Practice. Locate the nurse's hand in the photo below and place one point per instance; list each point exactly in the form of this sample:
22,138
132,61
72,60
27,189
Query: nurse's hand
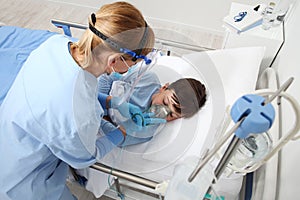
154,121
146,119
129,127
141,131
133,112
126,109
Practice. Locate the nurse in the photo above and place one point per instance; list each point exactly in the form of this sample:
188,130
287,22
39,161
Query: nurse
50,114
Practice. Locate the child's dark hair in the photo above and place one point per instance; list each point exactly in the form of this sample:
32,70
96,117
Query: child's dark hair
189,95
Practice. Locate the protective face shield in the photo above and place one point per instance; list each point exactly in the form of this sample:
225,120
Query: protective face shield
124,88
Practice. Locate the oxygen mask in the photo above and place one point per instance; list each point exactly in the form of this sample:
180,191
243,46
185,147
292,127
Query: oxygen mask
159,111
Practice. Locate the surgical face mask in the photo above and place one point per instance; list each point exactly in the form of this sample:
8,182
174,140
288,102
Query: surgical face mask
117,75
159,111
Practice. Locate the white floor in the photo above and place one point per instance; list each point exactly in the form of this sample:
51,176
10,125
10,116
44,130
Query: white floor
37,14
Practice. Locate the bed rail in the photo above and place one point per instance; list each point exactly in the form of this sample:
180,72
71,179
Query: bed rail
66,26
125,175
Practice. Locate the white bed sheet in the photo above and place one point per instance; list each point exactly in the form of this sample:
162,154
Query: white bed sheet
227,74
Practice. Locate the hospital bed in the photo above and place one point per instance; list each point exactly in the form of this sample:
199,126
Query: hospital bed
191,137
143,171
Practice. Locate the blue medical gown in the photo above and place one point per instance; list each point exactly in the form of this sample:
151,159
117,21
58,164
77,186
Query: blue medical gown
148,84
15,46
49,119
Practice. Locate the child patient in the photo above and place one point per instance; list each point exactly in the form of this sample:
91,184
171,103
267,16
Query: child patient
180,99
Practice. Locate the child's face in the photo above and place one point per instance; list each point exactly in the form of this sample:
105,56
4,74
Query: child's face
164,97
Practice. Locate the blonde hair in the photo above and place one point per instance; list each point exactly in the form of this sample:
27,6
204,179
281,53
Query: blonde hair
122,23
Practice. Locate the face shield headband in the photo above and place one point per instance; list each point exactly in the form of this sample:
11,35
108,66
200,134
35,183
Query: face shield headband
134,55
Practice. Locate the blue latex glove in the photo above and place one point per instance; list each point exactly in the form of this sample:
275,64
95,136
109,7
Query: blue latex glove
133,112
145,119
154,121
131,127
138,131
126,109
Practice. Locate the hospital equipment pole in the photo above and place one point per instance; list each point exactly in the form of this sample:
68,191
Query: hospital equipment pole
233,146
282,88
214,151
